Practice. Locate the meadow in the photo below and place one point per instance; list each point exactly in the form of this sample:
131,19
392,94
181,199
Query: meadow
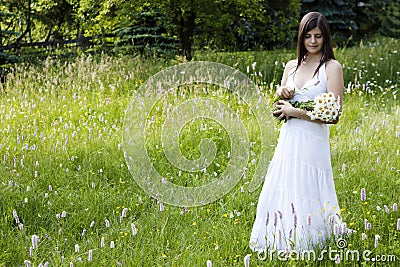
68,198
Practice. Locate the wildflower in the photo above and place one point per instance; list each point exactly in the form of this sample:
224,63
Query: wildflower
246,260
343,167
331,219
398,224
377,238
76,248
92,224
31,251
308,219
63,214
124,211
267,219
209,263
90,254
294,220
134,230
35,240
280,214
15,215
364,236
112,244
337,259
363,194
275,218
336,229
107,223
344,227
102,242
378,208
161,207
386,209
28,263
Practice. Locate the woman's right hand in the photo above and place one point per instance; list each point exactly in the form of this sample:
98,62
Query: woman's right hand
285,92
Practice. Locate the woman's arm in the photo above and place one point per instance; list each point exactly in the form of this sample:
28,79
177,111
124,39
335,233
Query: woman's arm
334,75
284,91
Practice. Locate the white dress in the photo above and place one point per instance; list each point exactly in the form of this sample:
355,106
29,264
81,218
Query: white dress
298,207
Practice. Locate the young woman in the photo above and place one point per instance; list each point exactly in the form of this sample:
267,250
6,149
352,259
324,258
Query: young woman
298,207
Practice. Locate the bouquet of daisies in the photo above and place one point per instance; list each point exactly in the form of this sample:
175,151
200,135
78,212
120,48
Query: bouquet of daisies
324,107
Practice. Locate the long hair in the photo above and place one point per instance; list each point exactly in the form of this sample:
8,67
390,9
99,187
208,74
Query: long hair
310,21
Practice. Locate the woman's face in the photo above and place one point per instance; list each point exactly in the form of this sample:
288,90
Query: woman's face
313,41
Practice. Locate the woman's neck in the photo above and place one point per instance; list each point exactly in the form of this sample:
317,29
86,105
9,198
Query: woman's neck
312,58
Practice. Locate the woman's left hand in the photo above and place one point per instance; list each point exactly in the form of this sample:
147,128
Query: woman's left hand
285,109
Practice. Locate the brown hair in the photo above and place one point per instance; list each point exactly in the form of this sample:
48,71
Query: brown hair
310,21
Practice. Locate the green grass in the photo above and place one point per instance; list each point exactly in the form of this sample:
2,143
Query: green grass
61,128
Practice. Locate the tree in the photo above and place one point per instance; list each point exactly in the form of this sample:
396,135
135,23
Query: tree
339,14
378,17
147,33
55,15
186,15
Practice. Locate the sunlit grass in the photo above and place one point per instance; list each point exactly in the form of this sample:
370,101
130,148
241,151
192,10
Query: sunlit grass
64,174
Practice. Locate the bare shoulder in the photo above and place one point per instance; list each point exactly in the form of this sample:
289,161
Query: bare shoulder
333,66
291,64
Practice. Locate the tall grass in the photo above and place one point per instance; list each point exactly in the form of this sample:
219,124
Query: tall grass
65,180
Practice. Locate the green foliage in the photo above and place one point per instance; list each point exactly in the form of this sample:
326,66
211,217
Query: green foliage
340,15
357,19
271,24
280,23
391,20
147,34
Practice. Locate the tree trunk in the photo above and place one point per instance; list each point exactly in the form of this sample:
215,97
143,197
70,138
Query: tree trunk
186,25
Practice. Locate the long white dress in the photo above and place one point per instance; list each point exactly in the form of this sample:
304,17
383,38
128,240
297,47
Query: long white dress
298,206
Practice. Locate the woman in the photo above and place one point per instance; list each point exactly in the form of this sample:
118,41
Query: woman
298,208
